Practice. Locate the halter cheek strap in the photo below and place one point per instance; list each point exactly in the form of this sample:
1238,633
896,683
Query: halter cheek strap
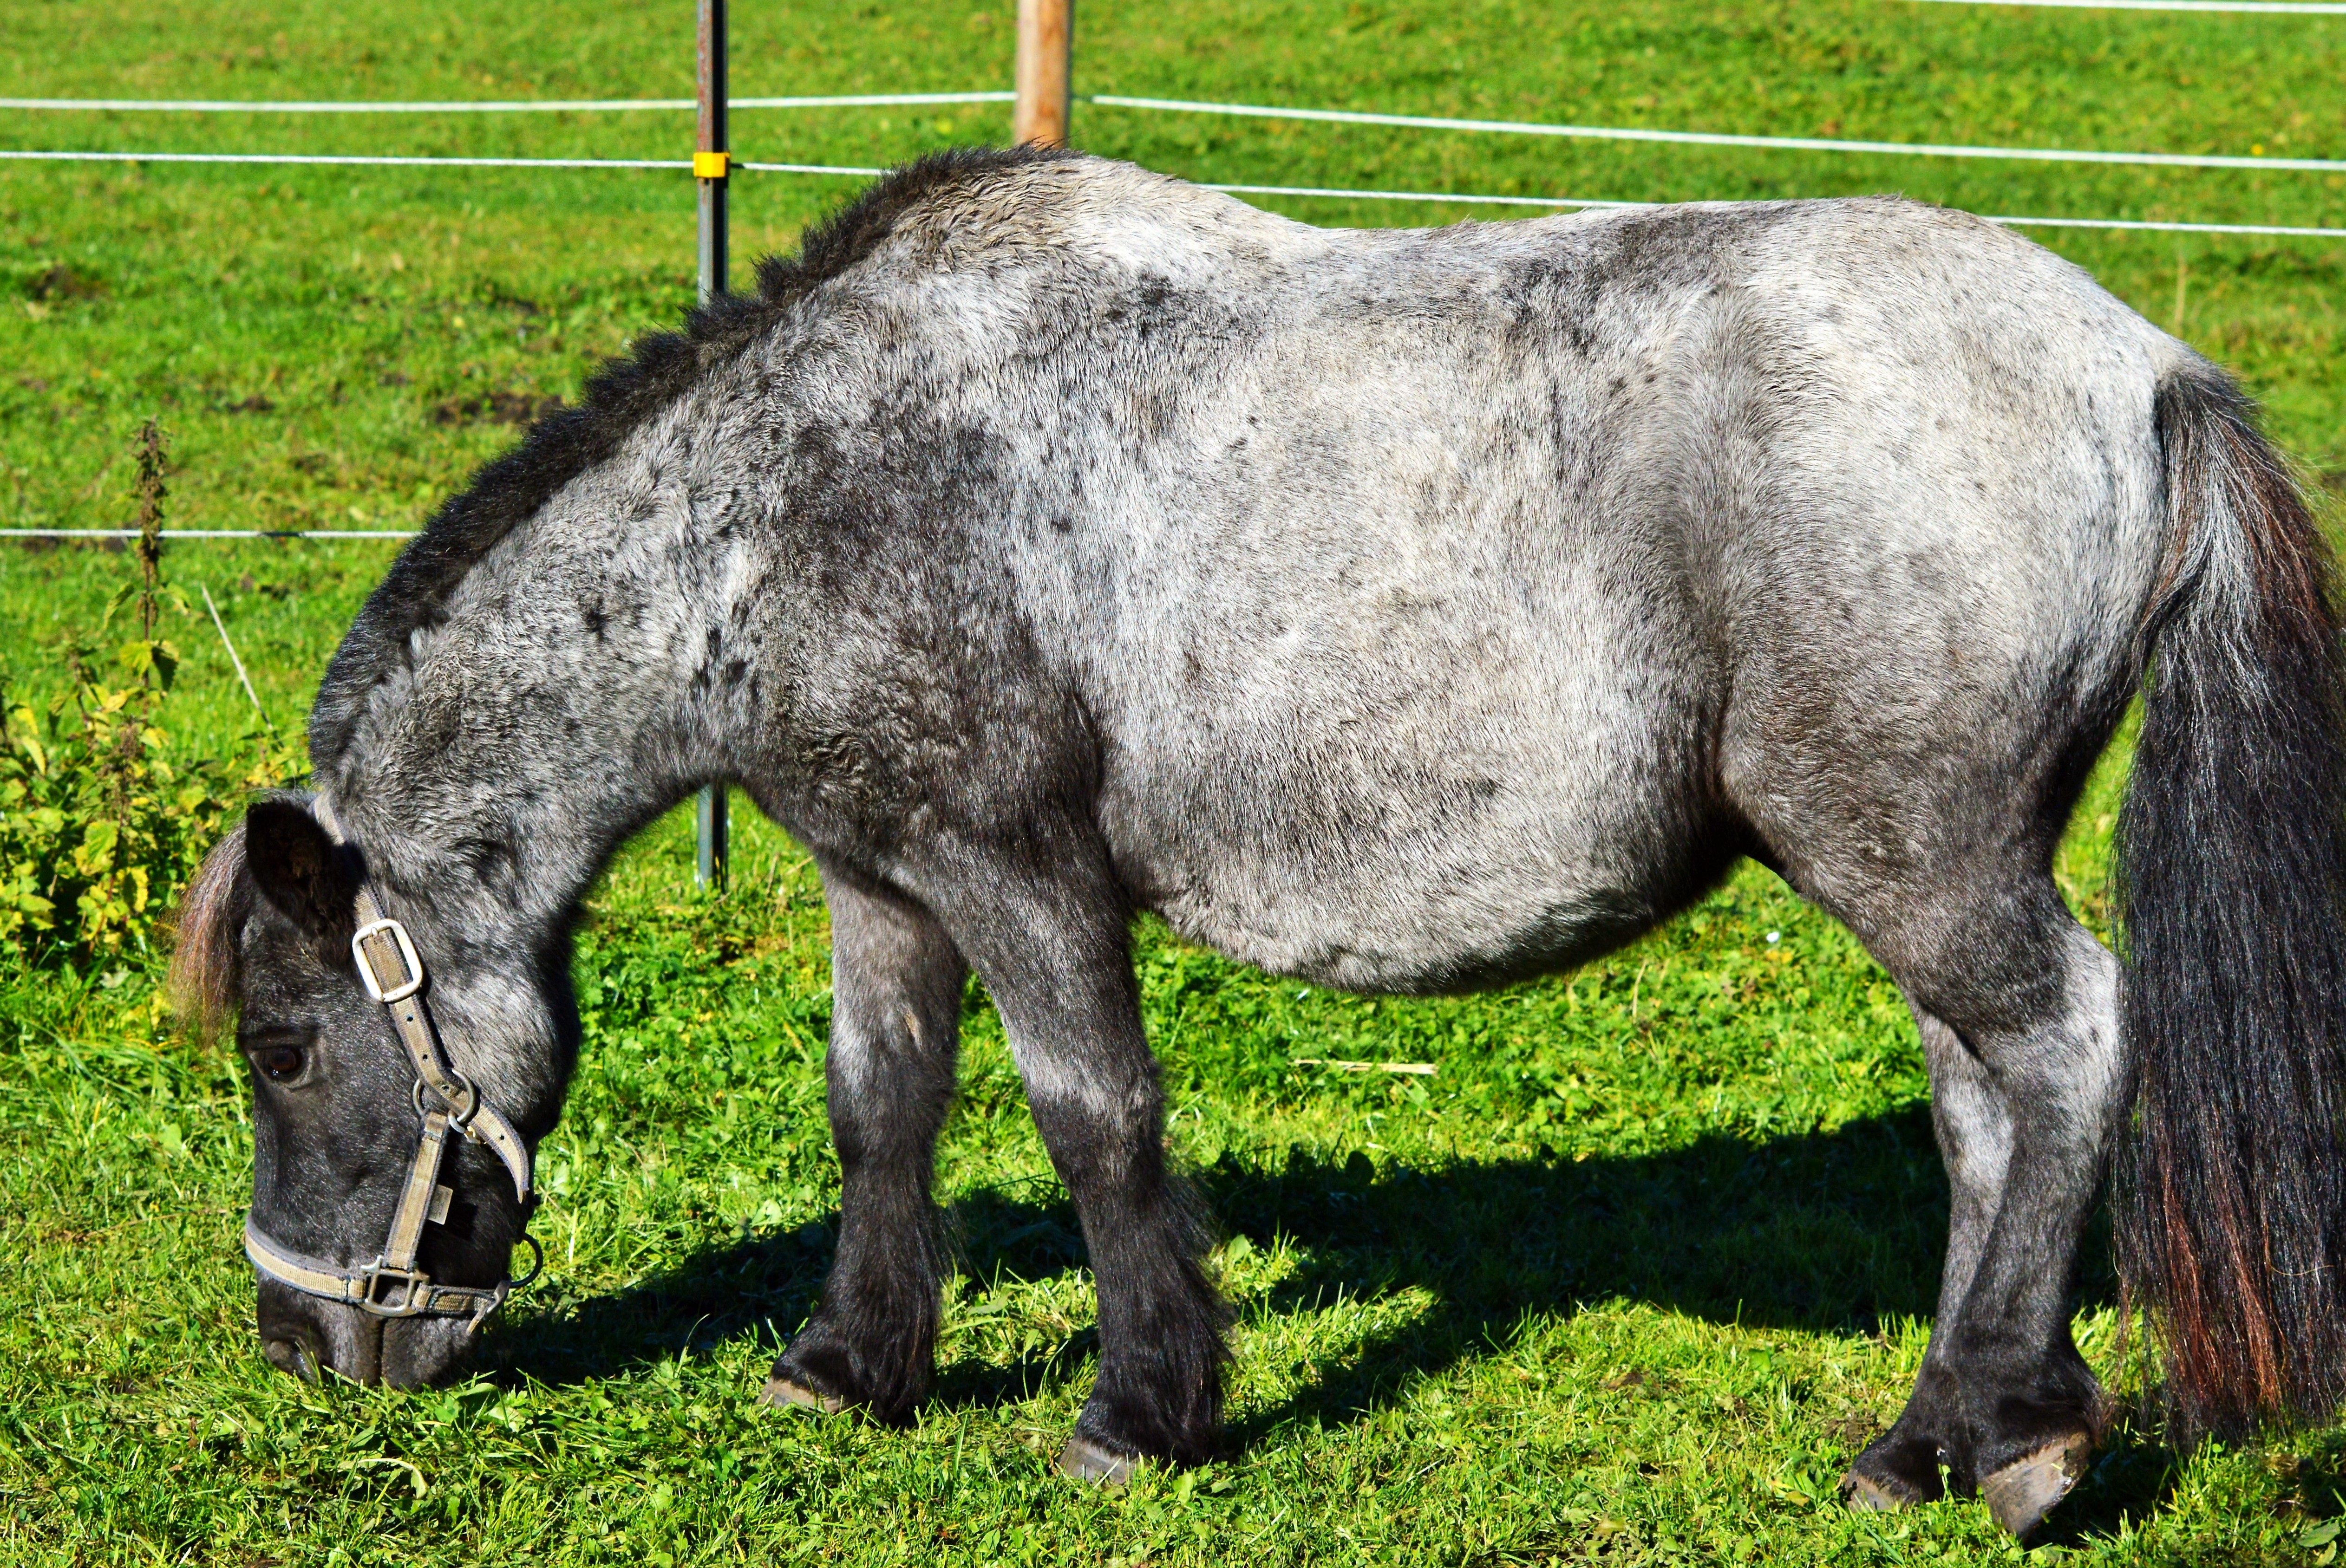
379,943
392,1285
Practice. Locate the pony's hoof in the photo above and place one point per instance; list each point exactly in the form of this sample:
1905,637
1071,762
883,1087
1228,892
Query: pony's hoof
1084,1459
2023,1492
783,1394
1869,1494
1893,1473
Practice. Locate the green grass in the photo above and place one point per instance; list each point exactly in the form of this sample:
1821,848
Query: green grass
1628,1280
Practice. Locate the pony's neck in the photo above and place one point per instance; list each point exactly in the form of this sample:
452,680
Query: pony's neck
569,692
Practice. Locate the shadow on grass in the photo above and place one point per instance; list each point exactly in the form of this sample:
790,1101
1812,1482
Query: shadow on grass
1834,1231
759,1283
1829,1232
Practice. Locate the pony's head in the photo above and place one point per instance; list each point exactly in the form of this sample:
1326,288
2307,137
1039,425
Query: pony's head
265,947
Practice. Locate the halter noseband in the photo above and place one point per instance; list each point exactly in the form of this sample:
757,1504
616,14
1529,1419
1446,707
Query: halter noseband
392,1285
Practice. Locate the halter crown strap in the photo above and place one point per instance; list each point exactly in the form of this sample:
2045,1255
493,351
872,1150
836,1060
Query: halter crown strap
393,1286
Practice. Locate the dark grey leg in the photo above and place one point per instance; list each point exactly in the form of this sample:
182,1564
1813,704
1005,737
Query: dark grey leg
1057,962
1975,1135
896,993
2029,1083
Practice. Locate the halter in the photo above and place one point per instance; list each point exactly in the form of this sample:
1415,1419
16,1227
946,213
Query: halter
392,1285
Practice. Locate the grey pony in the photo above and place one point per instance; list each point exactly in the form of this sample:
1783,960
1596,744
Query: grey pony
1403,611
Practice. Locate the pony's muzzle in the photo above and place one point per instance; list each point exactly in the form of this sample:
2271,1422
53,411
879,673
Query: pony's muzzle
309,1337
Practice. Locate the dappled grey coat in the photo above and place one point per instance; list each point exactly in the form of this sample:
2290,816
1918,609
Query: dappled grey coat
1402,610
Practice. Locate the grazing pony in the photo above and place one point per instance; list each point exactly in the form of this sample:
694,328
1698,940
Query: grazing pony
1403,611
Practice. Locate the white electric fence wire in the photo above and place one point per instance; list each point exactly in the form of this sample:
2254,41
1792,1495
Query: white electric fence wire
1720,139
501,107
337,160
1261,111
855,171
208,534
1330,192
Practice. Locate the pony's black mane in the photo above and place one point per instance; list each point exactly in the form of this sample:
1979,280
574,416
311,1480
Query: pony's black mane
620,396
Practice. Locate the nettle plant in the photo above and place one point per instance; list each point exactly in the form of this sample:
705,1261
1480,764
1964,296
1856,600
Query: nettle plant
102,821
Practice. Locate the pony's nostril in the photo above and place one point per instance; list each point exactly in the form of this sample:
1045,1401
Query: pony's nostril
292,1356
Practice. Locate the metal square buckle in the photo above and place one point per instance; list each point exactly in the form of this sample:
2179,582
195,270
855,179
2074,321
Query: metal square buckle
367,976
414,1288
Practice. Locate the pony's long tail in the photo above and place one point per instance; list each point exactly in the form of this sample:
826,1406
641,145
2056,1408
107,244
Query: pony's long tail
2231,1194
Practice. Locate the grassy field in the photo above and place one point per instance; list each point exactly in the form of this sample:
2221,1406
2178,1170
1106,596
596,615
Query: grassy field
1628,1279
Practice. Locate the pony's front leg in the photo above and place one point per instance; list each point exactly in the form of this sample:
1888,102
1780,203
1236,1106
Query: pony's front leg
1058,963
896,992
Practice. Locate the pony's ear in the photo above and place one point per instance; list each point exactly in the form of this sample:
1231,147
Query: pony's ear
205,973
301,872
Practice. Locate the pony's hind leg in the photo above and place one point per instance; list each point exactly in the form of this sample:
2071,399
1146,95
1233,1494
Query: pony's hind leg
896,993
1974,1137
1908,736
2018,1009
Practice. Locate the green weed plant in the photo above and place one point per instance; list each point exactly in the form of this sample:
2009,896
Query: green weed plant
102,820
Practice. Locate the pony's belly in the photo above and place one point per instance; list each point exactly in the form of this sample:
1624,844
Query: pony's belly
1467,845
1479,777
1473,915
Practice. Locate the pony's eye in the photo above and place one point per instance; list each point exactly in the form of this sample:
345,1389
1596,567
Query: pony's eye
279,1064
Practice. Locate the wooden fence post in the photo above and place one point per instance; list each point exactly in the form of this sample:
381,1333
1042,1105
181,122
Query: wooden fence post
1046,29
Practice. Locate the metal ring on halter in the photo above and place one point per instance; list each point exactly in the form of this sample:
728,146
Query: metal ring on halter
456,1119
536,1268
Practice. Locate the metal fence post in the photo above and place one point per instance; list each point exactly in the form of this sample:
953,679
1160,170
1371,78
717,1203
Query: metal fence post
1046,28
709,161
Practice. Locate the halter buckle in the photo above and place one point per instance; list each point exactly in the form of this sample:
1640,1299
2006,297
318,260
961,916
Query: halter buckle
414,1286
387,995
